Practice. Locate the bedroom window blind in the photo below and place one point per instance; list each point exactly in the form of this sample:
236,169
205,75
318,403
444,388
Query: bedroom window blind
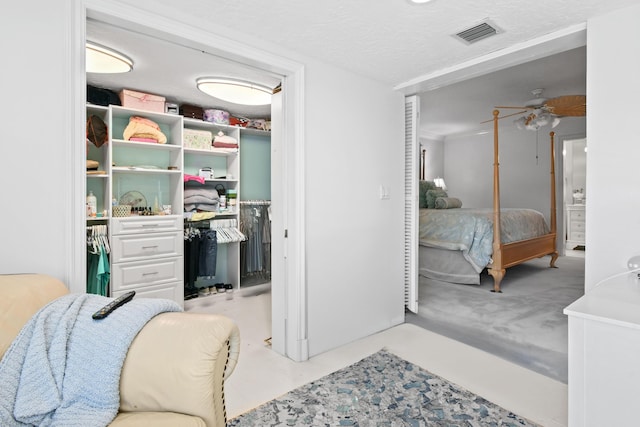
411,183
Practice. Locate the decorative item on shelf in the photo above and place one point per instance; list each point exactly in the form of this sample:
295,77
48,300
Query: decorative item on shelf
238,121
206,173
142,101
134,198
196,138
171,108
122,210
224,141
192,111
232,199
260,124
92,205
97,131
92,165
219,117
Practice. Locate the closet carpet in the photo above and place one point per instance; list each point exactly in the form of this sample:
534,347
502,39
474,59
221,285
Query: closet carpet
524,324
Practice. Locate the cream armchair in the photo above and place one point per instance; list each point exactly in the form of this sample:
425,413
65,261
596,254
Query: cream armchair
174,371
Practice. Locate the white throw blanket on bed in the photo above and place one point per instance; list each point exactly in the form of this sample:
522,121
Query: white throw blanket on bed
63,369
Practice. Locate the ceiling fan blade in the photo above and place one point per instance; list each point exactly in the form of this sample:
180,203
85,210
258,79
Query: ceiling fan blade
569,105
519,108
504,117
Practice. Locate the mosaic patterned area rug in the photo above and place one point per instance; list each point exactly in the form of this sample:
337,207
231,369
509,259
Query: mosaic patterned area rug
381,390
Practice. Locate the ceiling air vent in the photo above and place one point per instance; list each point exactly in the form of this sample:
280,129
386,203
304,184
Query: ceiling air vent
478,32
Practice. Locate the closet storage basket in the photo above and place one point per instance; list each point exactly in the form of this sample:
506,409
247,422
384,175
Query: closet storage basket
122,210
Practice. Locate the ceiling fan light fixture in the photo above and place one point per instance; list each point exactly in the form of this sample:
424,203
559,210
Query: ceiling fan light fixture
102,59
235,91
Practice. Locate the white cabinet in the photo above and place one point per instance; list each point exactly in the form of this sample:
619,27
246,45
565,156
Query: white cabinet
604,343
147,246
575,226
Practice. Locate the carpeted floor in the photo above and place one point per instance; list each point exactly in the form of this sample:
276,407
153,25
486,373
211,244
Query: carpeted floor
380,390
524,324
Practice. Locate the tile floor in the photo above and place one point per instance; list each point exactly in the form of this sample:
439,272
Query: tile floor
262,375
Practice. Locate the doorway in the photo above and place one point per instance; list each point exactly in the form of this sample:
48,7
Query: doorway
287,302
574,165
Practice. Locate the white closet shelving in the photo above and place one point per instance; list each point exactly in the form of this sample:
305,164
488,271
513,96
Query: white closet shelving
225,163
147,251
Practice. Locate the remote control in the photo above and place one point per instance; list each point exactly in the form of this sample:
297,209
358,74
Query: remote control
107,309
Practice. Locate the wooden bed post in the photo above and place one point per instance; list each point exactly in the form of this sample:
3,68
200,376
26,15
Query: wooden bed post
496,270
554,227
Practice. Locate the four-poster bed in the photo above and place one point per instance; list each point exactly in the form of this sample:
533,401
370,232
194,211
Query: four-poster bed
456,245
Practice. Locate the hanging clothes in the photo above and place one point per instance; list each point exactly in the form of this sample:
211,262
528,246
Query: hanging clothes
191,261
208,253
255,252
98,267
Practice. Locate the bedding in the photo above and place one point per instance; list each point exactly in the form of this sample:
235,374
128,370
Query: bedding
470,230
448,203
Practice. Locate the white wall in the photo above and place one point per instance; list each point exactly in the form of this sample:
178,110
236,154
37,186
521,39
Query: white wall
434,157
524,166
34,149
354,240
613,219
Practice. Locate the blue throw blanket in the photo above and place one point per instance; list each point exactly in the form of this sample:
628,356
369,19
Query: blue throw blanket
63,369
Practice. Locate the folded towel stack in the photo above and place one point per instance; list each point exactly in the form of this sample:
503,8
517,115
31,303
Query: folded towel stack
224,141
201,199
143,130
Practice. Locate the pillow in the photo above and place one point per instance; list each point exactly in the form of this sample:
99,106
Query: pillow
447,203
432,195
424,187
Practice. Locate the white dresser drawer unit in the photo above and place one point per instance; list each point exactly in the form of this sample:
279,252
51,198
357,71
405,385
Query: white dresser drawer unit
149,246
577,215
146,224
135,275
576,225
173,291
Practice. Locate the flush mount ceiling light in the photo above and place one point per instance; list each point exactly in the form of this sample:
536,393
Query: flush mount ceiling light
235,91
101,59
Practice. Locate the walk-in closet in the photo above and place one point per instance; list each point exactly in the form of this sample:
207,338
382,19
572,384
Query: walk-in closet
169,214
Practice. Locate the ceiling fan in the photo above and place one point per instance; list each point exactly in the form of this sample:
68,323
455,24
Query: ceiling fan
541,111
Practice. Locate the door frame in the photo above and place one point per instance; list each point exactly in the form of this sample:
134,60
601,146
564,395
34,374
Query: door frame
289,329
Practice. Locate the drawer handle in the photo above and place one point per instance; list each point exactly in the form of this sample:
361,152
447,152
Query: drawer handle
150,247
150,274
150,225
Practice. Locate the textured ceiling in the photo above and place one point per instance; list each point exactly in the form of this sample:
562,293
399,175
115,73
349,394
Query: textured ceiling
391,41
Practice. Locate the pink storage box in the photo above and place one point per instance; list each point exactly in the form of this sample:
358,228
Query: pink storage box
142,101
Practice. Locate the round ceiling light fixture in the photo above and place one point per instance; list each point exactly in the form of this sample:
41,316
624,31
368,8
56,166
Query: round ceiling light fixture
235,91
101,59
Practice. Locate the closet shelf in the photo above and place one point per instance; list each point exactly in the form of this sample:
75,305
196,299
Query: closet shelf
146,145
134,169
213,151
